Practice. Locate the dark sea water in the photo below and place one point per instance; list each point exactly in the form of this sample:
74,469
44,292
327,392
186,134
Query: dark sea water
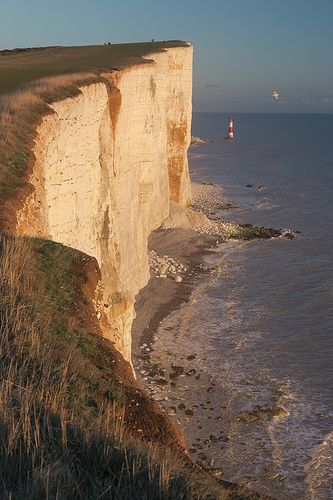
270,340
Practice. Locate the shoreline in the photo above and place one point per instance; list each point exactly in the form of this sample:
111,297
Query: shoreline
186,246
185,391
161,296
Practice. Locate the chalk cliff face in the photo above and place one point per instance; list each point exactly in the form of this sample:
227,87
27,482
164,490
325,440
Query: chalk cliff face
108,162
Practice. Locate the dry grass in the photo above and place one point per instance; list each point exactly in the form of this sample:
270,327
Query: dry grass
58,440
20,113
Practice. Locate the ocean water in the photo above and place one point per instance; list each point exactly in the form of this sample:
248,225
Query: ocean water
260,323
272,307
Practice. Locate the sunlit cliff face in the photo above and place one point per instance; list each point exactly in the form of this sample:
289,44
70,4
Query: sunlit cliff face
108,162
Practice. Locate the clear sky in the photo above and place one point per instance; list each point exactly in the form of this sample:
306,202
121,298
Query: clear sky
244,49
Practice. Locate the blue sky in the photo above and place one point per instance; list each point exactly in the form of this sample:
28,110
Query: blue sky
244,49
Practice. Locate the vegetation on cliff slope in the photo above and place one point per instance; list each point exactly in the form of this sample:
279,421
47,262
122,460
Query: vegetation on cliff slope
67,426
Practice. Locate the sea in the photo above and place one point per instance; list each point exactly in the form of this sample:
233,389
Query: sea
256,336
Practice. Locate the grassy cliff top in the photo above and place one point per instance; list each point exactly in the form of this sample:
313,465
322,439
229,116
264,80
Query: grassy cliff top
20,66
32,78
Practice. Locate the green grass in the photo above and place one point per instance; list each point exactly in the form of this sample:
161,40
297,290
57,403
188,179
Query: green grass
63,412
17,69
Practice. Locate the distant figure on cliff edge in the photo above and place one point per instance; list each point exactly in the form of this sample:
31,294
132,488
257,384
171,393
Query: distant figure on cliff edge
230,135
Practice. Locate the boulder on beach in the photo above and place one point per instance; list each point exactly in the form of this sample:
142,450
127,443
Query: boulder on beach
197,140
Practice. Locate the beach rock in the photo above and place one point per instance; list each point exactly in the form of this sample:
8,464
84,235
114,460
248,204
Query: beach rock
216,472
197,140
172,410
178,279
177,370
263,414
192,371
161,381
191,357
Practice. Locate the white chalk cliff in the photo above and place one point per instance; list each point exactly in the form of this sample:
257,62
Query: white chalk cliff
108,163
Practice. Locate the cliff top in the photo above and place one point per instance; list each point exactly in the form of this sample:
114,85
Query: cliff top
20,66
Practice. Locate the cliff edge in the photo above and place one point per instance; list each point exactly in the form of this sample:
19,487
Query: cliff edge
107,163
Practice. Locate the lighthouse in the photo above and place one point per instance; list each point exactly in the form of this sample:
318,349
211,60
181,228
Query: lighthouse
231,129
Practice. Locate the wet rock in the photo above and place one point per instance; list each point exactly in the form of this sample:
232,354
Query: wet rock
192,371
249,185
176,371
145,357
191,357
210,389
248,417
217,472
155,372
161,381
202,456
288,236
212,438
181,406
189,412
192,450
263,414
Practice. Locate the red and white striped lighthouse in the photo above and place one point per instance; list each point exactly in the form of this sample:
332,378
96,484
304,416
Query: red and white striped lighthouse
231,128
